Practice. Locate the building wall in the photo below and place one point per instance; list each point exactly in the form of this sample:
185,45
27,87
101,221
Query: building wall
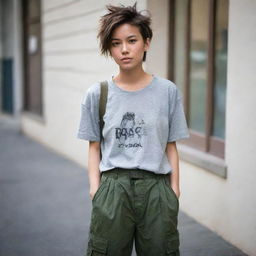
1,50
241,125
157,59
10,51
7,56
7,28
18,58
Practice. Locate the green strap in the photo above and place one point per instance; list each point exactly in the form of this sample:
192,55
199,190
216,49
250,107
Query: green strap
102,104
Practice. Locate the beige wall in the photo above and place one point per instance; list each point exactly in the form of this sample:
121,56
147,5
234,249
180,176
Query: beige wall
157,59
226,206
241,124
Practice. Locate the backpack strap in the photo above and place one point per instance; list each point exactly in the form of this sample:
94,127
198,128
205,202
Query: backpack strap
102,104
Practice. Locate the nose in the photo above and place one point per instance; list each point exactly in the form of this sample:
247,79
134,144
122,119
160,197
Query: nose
124,48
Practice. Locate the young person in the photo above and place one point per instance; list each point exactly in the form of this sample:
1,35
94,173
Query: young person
134,187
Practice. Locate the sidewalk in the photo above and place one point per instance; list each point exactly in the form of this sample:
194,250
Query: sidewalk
45,205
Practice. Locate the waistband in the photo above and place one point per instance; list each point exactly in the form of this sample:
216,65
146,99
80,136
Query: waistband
133,173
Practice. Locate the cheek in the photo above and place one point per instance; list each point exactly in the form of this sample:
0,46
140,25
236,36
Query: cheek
140,50
113,53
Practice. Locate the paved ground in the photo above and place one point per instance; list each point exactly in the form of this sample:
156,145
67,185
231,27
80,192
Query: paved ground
45,205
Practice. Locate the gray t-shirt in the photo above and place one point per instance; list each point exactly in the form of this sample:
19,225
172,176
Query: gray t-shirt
138,124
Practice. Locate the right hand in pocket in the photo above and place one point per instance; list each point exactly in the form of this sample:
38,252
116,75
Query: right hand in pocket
93,190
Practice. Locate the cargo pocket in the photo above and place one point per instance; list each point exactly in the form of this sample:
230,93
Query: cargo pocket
98,246
101,187
173,244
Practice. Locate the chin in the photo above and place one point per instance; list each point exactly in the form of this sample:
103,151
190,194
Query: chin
122,66
129,67
126,68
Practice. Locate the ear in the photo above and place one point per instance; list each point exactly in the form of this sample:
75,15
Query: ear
147,44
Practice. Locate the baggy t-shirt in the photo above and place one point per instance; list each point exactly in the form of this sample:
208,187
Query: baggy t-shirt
138,124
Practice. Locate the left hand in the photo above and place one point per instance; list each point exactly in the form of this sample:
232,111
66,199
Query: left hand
176,191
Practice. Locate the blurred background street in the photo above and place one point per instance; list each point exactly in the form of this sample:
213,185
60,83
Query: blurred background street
45,204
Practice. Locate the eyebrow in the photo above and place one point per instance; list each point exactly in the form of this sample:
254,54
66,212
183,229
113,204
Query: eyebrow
119,39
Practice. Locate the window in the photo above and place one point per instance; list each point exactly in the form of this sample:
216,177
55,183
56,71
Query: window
199,68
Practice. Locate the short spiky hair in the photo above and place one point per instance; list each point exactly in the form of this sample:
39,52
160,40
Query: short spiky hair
119,15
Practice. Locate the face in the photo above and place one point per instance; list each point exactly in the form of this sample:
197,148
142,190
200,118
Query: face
127,46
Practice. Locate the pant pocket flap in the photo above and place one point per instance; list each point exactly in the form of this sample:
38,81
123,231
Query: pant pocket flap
99,244
173,244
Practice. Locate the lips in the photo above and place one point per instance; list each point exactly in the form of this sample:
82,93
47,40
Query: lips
126,59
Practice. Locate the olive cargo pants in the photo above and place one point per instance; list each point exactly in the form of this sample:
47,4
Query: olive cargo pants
134,204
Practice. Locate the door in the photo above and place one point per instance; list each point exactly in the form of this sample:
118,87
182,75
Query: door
32,56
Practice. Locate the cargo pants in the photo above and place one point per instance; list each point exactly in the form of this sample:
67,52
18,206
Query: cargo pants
134,204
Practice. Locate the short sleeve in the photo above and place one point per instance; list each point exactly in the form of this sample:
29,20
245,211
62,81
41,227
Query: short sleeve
177,121
89,128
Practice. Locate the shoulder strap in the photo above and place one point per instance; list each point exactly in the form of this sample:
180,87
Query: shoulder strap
102,104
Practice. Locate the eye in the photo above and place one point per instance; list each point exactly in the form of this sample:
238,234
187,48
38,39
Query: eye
132,41
114,43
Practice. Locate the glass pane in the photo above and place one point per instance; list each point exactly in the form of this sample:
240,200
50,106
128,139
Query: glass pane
221,37
180,40
198,65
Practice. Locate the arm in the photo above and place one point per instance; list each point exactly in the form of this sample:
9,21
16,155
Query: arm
93,167
173,157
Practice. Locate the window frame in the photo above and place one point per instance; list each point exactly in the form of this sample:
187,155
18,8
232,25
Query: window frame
205,143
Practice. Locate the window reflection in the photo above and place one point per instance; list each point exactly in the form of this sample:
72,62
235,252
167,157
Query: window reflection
221,35
198,65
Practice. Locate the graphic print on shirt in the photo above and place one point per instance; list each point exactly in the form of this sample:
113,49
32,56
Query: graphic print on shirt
130,132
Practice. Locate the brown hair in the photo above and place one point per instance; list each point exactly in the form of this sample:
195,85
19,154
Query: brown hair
119,15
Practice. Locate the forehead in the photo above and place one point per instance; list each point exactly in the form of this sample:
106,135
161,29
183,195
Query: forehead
125,30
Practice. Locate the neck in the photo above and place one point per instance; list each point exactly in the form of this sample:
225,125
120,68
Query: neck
131,76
